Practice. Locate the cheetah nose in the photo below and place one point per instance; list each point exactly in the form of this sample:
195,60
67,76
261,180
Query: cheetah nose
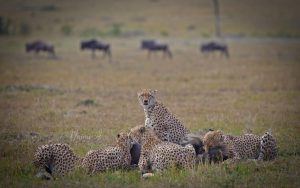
145,102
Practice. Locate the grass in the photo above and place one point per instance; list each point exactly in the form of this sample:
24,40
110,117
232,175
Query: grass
85,103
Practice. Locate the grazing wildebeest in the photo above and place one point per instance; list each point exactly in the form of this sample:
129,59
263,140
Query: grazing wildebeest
153,46
38,46
96,45
211,47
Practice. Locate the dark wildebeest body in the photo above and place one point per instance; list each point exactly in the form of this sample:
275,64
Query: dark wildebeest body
38,46
217,154
152,46
145,44
195,141
135,154
96,45
211,47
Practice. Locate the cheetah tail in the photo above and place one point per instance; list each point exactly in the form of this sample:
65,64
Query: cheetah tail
268,147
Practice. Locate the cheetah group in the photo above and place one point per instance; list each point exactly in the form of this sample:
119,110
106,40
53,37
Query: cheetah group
160,143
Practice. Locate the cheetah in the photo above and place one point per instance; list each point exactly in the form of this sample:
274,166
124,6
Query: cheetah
165,124
157,155
247,146
109,158
55,159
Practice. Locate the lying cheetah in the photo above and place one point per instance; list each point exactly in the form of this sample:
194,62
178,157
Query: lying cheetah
59,159
247,146
55,159
157,155
166,126
109,158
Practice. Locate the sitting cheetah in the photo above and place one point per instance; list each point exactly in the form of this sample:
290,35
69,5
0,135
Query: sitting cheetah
247,146
108,158
56,159
166,126
157,155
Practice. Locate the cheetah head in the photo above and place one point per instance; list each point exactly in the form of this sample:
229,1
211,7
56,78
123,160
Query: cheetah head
213,139
147,97
41,155
123,140
136,134
141,134
215,147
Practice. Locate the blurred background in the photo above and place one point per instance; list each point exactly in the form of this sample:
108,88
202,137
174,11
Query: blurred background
86,101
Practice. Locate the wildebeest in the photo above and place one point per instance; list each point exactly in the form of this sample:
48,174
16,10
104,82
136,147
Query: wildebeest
153,46
217,154
211,47
195,141
38,46
96,45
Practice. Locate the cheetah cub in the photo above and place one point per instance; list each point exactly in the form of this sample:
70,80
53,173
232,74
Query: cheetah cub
109,158
166,126
55,160
247,146
157,155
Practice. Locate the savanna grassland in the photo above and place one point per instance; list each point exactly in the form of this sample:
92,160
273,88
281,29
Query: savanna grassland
85,102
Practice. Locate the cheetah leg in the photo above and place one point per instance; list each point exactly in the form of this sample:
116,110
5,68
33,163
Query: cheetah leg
144,165
236,158
44,175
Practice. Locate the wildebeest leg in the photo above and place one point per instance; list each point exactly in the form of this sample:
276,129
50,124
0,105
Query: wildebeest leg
104,53
149,54
205,54
51,53
93,54
109,55
169,53
226,53
163,53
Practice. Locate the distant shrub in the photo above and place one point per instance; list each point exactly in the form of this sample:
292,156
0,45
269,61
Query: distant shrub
205,35
48,8
25,29
283,34
92,32
87,102
115,30
164,33
66,30
5,26
191,28
133,33
39,27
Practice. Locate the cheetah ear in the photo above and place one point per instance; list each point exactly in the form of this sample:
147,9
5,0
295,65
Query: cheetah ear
222,138
140,92
153,92
142,129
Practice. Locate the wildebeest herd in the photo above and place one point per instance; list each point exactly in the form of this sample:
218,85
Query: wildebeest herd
151,46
